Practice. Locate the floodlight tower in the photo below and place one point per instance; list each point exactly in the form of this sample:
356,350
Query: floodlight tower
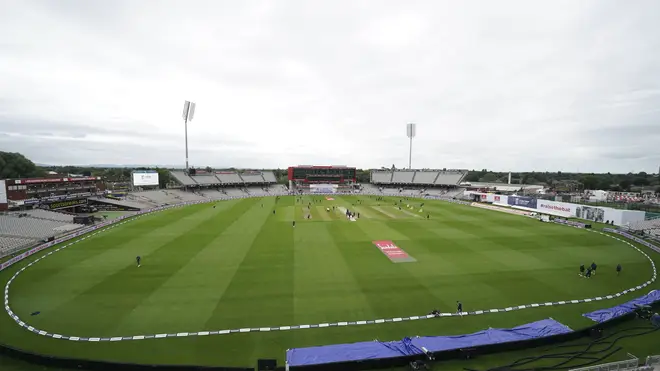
188,113
411,130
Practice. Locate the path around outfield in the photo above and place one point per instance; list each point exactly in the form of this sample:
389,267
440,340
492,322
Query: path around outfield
21,323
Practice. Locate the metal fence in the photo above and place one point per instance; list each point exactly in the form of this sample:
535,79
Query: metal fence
632,363
652,361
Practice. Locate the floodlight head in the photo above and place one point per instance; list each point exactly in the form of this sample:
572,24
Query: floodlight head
411,130
188,111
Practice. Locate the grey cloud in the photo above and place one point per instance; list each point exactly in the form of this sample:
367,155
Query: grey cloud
510,86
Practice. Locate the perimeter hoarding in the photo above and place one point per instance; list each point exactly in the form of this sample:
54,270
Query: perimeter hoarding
323,188
66,204
145,178
522,201
563,209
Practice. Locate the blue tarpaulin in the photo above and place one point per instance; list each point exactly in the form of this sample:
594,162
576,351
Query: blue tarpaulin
603,315
407,346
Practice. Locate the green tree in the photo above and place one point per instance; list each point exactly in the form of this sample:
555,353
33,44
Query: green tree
363,176
640,181
489,178
15,165
472,177
164,177
605,183
625,184
590,182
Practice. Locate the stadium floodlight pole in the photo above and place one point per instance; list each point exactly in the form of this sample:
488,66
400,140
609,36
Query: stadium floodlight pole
411,130
188,113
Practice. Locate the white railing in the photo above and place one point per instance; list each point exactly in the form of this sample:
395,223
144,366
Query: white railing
632,363
652,361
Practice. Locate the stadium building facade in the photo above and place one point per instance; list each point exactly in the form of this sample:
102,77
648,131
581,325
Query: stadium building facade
51,193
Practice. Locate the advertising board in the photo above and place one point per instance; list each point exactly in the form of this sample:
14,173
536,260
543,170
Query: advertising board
597,214
145,178
65,204
522,201
323,188
563,209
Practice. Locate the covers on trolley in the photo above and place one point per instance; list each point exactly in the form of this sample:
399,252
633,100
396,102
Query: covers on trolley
407,346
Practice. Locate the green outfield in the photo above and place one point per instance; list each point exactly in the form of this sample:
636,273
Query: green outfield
241,264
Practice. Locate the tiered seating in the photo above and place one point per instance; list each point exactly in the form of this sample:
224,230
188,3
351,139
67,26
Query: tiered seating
170,196
450,177
229,177
403,177
186,196
628,199
139,198
381,177
234,192
425,177
252,177
256,191
269,177
182,177
13,243
49,215
645,225
212,193
205,179
455,193
159,197
13,226
419,177
123,202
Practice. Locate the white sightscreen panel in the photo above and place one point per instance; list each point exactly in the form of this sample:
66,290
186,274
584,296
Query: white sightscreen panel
3,192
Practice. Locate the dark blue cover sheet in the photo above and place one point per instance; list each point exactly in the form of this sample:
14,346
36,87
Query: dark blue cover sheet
376,349
603,315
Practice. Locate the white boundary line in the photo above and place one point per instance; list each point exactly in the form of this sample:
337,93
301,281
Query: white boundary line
22,323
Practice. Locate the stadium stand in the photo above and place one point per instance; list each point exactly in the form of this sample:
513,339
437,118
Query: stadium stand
183,178
132,203
419,177
450,177
205,179
27,227
252,177
170,196
425,177
49,215
229,177
14,243
403,177
223,178
381,177
269,177
651,226
234,192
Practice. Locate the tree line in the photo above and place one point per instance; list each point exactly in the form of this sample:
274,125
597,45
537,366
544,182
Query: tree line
15,165
573,181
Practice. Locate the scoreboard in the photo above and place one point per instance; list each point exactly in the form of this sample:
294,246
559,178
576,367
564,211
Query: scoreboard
322,174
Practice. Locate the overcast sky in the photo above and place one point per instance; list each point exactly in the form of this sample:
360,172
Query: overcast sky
504,85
